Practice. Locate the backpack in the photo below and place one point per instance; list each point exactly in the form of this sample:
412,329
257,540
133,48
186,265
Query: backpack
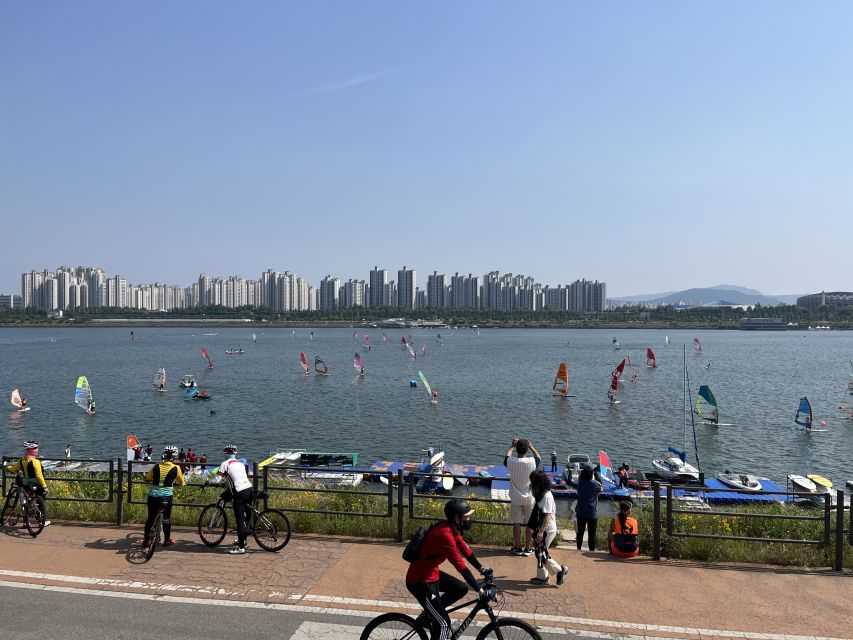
413,548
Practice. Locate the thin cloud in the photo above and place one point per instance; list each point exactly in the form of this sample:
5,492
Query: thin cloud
337,86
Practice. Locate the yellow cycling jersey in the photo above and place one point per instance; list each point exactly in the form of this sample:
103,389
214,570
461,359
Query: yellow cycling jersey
31,468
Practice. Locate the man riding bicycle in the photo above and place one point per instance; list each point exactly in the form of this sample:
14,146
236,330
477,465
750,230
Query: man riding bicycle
443,542
163,477
30,467
240,488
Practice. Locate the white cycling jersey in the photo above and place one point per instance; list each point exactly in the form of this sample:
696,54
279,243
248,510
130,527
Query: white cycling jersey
236,471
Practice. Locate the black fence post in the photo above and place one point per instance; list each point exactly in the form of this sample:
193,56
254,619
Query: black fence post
839,530
399,504
656,523
827,517
669,509
119,492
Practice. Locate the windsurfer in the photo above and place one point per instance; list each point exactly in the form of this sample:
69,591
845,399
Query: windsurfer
361,373
91,406
67,451
23,402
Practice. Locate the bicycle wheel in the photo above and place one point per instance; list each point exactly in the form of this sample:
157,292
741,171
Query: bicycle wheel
393,626
212,525
154,536
9,509
272,530
509,629
34,516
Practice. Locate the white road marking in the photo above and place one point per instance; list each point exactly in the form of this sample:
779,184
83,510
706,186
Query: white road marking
382,604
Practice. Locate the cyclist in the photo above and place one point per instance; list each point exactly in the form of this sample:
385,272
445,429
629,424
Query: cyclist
30,467
240,488
443,542
163,477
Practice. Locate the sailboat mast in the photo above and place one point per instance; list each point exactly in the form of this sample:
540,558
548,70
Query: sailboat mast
687,396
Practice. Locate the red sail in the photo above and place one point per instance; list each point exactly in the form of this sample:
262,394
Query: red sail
650,358
617,372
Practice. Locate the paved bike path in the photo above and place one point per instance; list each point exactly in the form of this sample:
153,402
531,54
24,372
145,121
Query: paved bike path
604,596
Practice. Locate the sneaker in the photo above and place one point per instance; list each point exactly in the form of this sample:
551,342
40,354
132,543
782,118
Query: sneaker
539,581
561,577
237,550
168,542
422,620
527,552
516,551
47,523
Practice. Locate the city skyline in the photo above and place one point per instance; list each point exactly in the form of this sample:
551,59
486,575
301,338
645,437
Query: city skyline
656,146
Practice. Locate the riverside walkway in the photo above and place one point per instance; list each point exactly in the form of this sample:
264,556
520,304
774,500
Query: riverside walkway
342,582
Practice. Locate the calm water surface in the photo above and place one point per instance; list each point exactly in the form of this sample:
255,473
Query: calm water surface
493,386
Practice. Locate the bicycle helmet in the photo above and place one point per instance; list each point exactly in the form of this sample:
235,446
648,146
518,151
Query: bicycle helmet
170,452
29,445
453,508
229,448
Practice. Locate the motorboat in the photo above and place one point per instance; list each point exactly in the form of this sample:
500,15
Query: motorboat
232,352
300,458
670,466
433,463
187,382
573,467
742,481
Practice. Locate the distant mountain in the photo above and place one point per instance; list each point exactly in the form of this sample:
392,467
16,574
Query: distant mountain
789,298
644,297
722,294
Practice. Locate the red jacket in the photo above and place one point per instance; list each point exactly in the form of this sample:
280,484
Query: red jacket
440,544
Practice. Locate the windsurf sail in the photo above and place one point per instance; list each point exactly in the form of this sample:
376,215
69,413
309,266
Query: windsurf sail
384,338
254,338
403,343
628,360
561,380
411,351
303,360
320,366
804,413
357,363
426,384
697,346
650,358
83,393
846,406
367,342
16,399
605,469
132,441
617,372
159,381
614,387
206,356
666,339
712,412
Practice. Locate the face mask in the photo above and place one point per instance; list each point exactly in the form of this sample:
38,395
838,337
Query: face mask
464,524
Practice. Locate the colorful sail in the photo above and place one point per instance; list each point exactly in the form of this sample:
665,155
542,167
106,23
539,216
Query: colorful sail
605,468
83,393
320,366
697,346
561,380
206,356
712,412
804,413
425,383
159,381
367,344
16,399
303,360
620,368
132,441
650,358
357,363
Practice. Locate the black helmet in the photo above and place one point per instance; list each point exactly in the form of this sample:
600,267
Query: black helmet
453,508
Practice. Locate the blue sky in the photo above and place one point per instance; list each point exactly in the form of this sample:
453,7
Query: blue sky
654,146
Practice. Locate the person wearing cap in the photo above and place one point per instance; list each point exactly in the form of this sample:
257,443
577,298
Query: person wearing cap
520,466
433,589
586,507
240,489
30,467
554,461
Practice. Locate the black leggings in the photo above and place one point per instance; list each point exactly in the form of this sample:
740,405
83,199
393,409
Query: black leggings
154,503
241,501
590,524
435,606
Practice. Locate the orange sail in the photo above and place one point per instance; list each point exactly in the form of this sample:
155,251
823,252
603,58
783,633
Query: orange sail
132,441
561,381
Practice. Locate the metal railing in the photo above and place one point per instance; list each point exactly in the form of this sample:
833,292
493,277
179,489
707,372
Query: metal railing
414,478
62,471
825,518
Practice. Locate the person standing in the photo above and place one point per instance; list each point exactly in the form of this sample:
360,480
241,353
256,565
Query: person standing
163,478
520,466
234,473
545,529
553,462
67,451
586,507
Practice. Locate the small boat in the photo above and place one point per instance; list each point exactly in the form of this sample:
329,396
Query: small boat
232,352
433,463
673,465
187,382
194,394
159,382
742,481
573,467
18,401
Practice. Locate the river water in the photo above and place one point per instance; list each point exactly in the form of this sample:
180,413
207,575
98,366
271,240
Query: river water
493,386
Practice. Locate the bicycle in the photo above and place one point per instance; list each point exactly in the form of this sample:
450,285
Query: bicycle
399,626
32,508
156,533
270,527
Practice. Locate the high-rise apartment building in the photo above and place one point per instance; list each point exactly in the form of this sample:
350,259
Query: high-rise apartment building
406,285
353,294
329,292
435,290
587,296
378,282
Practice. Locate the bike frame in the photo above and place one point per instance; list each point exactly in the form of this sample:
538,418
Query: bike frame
480,605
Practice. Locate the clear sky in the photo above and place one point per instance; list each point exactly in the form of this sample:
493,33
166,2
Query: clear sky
652,145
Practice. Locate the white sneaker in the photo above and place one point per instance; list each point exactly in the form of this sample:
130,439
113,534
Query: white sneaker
237,550
47,523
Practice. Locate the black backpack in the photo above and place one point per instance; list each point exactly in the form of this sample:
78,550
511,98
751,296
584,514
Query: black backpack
413,548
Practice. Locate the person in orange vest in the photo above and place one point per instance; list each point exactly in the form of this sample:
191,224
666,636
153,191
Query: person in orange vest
624,533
